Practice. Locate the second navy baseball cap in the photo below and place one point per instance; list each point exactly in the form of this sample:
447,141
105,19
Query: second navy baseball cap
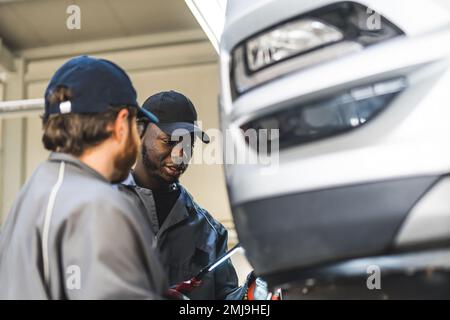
175,111
95,85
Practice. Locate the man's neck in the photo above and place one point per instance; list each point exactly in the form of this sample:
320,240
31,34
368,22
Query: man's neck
95,158
146,180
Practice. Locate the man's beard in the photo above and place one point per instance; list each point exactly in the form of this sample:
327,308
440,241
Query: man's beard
154,170
148,164
124,161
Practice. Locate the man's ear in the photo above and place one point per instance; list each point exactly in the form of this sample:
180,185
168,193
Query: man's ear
120,126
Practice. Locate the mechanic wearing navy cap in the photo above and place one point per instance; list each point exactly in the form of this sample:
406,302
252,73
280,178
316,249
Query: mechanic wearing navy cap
188,237
70,234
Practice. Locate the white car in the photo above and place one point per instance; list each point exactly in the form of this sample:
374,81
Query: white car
359,92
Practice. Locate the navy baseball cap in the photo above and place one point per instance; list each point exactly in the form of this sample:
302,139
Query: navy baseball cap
95,85
174,111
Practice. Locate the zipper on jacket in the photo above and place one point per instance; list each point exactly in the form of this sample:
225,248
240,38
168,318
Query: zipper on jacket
155,242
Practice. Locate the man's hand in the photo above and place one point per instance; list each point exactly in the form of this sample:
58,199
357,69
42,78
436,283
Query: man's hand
257,289
182,289
173,294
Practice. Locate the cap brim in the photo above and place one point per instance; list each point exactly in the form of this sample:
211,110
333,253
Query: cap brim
147,114
171,129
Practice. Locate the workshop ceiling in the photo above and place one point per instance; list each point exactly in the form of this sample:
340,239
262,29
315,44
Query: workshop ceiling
26,24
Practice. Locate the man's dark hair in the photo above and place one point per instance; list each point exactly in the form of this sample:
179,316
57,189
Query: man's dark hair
73,133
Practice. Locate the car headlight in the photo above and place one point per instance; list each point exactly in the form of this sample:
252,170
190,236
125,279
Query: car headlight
305,41
327,117
288,40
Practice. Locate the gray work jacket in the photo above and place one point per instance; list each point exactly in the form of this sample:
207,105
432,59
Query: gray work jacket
188,240
71,235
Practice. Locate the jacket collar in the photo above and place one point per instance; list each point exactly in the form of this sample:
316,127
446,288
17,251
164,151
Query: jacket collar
67,158
179,212
129,181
